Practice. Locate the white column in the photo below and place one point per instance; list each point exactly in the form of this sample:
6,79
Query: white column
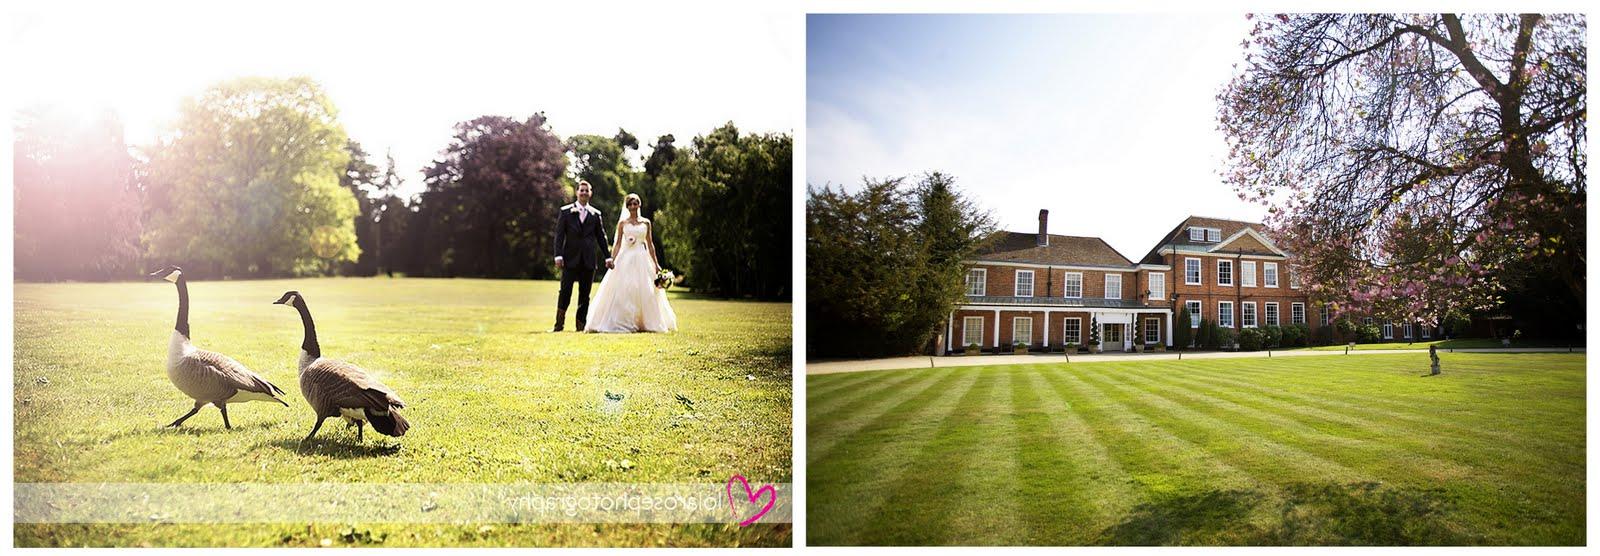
949,329
1169,329
997,329
1047,330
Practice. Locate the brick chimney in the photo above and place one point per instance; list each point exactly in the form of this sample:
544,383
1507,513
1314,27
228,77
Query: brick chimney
1044,227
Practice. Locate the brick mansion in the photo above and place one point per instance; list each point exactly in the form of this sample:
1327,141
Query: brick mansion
1047,290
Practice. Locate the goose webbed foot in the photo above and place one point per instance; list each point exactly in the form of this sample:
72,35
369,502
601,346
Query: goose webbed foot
185,416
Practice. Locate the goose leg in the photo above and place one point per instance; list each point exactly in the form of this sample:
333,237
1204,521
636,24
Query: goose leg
223,407
360,426
314,429
197,406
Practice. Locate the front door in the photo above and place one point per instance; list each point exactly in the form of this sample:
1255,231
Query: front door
1114,337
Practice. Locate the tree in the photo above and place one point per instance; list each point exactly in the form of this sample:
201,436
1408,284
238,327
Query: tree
490,203
723,212
361,178
75,200
1094,331
896,303
1416,164
603,162
1183,335
248,182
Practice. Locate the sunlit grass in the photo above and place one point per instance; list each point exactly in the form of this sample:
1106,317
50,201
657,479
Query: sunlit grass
491,396
1319,450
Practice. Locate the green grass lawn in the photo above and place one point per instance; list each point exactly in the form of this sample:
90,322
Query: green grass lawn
1305,450
1458,343
492,398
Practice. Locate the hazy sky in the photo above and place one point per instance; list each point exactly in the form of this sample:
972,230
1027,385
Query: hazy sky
402,75
1108,121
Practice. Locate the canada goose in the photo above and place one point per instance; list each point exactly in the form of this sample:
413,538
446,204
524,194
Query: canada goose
337,388
207,376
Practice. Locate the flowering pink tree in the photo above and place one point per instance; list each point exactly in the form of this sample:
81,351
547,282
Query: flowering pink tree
1415,164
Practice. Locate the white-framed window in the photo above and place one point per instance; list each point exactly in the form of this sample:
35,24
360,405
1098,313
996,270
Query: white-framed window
1158,285
1407,330
1388,331
1294,279
1191,272
1271,310
1224,273
1248,314
971,331
1022,330
1297,313
1194,313
1024,283
1113,286
977,281
1247,274
1225,314
1427,332
1213,235
1152,331
1367,320
1327,316
1269,275
1072,285
1197,234
1072,330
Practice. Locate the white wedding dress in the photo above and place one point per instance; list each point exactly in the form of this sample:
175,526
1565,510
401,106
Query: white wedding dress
628,300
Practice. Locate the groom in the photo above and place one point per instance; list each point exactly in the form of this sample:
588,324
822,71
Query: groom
579,232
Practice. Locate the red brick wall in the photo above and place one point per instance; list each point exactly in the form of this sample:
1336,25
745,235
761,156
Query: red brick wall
1209,293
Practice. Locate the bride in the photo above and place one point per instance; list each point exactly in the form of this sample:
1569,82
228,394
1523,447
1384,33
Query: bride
628,300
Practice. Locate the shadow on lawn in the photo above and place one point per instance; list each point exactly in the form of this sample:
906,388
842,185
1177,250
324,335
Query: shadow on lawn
342,448
1310,514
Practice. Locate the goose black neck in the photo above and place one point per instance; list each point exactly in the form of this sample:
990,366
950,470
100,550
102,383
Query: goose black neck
310,344
183,307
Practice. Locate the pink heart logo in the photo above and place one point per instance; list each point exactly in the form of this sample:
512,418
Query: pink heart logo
754,496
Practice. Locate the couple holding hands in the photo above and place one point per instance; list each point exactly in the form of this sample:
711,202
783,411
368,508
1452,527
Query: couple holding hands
629,299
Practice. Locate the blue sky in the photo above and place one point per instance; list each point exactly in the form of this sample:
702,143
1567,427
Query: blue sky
1109,121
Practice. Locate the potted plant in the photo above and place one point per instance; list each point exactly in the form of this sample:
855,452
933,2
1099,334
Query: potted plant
973,349
1020,348
1158,346
1138,342
1094,335
1071,348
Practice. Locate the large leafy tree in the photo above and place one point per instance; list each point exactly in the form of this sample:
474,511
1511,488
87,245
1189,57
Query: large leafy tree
361,177
1416,164
724,215
884,264
603,162
490,204
248,182
76,204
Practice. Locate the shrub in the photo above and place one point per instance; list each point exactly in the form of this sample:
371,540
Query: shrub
1183,335
1225,337
1253,339
1368,333
1323,337
1271,336
1296,335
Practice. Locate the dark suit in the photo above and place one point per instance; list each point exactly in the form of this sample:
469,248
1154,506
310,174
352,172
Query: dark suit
579,243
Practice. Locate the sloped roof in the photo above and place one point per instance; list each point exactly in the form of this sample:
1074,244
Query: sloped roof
1179,236
1018,247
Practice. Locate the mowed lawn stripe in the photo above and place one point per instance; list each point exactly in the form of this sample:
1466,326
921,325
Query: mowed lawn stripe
826,385
1070,485
1331,398
854,482
969,465
1349,448
1262,457
868,410
820,405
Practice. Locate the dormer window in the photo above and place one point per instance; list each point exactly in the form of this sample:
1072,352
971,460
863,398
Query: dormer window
1211,235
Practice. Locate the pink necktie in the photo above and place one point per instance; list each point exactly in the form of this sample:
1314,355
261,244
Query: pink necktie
582,213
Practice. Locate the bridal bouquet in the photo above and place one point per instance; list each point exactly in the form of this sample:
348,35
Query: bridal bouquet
664,279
